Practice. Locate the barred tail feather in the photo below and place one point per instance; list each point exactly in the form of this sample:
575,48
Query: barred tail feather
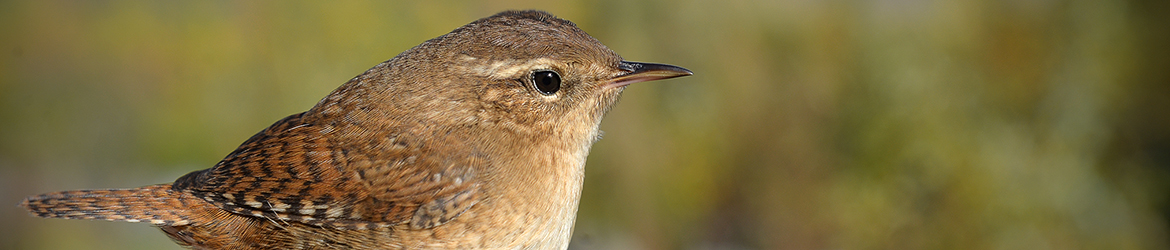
157,204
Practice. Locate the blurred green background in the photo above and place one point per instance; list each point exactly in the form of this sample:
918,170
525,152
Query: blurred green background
886,124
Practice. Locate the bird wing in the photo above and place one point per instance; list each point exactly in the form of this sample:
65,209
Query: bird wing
292,172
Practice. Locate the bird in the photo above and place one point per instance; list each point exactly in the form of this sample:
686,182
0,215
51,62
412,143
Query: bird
475,139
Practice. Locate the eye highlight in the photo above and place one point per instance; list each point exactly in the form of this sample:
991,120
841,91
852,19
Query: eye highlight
546,81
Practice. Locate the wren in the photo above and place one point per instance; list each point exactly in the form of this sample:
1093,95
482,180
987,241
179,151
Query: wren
475,139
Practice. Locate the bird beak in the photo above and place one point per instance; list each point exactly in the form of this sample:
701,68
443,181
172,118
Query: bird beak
640,72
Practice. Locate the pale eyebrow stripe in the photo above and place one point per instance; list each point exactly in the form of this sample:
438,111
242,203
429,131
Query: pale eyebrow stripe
504,69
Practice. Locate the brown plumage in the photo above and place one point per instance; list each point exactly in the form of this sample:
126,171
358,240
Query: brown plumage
474,139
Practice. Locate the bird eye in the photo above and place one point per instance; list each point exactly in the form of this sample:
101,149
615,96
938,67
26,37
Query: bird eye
547,82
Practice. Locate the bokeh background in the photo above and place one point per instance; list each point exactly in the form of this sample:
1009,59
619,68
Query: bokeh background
884,124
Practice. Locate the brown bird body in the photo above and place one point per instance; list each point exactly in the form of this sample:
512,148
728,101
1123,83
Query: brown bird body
474,139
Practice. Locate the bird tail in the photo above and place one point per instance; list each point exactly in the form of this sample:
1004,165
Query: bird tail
157,204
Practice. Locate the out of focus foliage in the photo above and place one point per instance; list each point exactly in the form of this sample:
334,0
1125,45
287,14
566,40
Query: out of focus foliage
886,124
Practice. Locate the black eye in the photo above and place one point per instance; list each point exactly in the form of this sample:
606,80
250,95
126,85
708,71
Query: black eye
547,82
